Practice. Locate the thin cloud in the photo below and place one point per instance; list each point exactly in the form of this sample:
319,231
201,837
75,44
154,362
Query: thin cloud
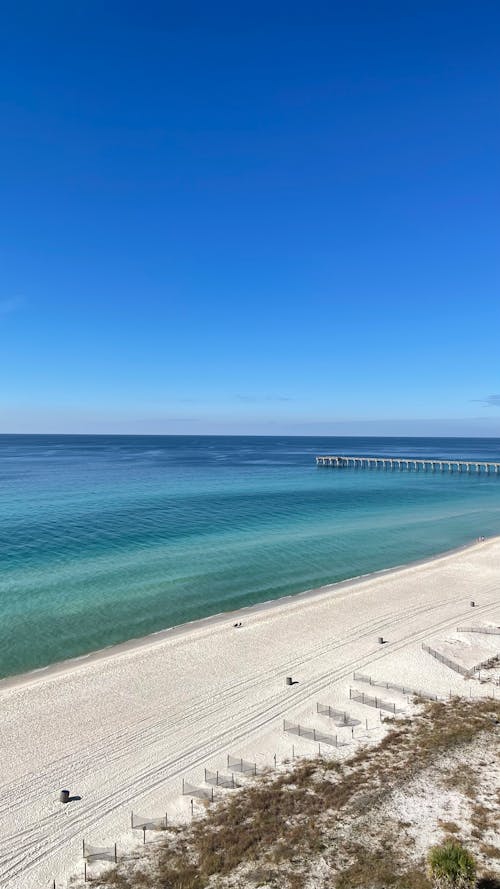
490,400
260,399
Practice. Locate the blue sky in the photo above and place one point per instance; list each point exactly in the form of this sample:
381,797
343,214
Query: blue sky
269,218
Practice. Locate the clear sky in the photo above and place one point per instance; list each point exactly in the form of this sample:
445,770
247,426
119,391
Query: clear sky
269,218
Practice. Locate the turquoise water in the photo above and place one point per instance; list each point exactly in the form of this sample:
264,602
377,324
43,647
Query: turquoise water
103,539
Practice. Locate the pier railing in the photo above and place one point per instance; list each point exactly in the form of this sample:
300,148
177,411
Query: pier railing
340,461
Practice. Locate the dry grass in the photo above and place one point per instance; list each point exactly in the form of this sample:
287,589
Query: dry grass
275,829
449,826
482,817
462,778
376,868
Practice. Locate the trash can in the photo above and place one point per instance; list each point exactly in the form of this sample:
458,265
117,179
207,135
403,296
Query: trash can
64,796
288,680
380,640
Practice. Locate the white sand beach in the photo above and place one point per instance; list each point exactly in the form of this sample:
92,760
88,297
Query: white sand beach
121,729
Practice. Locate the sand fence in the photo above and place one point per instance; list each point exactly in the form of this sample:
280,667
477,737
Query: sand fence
218,779
245,768
145,822
311,734
492,631
370,701
92,854
203,793
242,766
339,717
405,690
466,672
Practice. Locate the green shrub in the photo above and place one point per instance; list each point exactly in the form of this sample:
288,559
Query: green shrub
451,866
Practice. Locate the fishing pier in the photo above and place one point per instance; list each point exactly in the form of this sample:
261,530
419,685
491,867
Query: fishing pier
409,464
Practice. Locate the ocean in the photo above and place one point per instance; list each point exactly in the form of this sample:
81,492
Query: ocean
108,538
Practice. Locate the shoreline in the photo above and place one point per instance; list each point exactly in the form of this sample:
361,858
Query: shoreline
59,668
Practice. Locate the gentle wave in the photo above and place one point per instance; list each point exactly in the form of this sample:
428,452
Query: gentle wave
107,538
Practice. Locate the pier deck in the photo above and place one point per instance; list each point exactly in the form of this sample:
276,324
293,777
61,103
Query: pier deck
409,464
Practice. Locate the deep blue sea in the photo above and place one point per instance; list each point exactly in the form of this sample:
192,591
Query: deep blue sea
106,538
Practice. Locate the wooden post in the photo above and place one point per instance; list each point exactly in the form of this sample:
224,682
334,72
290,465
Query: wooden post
143,835
83,848
132,820
84,871
116,857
